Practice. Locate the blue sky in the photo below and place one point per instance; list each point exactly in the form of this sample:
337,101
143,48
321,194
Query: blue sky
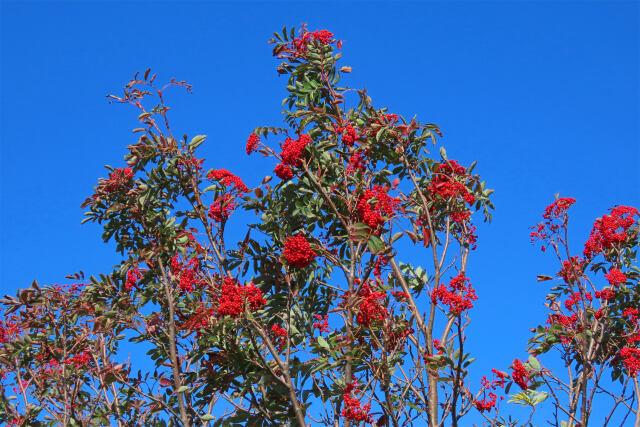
544,95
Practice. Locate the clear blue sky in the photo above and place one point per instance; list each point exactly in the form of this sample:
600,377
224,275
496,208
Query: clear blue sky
545,96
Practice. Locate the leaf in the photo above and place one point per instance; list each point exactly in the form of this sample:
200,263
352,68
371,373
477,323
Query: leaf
542,278
207,417
397,236
534,363
196,141
360,231
521,398
375,244
412,236
323,343
540,397
443,153
183,388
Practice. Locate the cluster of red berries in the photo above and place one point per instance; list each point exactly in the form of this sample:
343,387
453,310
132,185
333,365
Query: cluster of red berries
371,308
222,207
225,203
187,274
299,44
376,206
353,409
520,374
487,404
252,143
348,133
322,323
228,180
459,296
133,276
610,230
448,183
291,155
118,179
297,251
279,335
234,298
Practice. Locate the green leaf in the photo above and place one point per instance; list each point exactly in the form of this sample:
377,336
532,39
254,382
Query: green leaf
183,388
521,398
540,397
443,153
534,363
323,343
196,141
207,417
375,244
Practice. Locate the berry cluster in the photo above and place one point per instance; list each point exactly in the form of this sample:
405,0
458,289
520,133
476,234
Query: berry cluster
234,298
118,179
610,231
458,296
291,155
353,409
376,206
297,251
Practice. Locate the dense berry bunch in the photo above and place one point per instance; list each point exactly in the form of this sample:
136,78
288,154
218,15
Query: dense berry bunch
79,360
520,375
283,172
448,183
376,206
615,277
187,274
279,336
357,161
229,180
558,209
252,143
605,294
631,359
224,204
133,276
297,251
299,44
459,296
118,179
235,297
293,150
222,207
611,230
371,307
348,133
353,409
291,155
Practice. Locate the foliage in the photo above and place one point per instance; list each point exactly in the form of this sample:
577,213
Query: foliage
320,315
